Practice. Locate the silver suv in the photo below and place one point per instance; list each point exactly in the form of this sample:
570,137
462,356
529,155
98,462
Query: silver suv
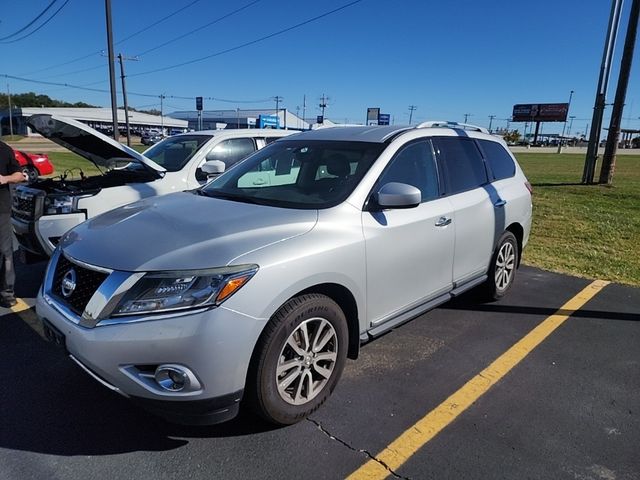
256,287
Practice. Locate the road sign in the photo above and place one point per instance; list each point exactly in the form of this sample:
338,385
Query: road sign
319,119
372,115
384,118
198,103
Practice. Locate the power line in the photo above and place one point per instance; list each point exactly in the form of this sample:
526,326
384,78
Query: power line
252,42
86,87
31,22
98,52
156,22
197,29
41,25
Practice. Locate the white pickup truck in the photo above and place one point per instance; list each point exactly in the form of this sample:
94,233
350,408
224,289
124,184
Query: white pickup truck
43,211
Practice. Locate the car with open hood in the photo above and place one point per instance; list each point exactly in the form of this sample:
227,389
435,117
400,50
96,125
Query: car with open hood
45,209
255,288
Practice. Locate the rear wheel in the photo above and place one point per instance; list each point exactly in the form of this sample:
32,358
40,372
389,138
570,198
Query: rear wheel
298,360
31,173
503,266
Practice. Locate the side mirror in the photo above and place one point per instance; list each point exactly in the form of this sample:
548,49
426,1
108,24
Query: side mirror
213,167
398,195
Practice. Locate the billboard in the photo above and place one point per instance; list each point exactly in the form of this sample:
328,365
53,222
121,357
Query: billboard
268,121
372,115
540,112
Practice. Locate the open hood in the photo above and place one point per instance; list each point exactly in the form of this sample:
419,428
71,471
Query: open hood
103,151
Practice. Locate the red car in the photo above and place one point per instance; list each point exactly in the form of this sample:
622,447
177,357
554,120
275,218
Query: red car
34,164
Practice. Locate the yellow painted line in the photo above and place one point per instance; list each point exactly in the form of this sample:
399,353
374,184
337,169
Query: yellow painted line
408,443
28,316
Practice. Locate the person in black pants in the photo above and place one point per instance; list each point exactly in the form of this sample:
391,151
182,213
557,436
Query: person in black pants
9,173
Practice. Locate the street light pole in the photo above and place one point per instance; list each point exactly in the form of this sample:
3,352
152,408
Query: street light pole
564,125
466,116
112,73
491,117
121,59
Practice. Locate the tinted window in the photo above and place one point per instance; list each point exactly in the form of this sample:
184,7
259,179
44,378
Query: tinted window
414,165
233,150
499,160
174,152
461,163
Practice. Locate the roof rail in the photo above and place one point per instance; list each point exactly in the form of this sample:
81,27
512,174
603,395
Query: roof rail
449,124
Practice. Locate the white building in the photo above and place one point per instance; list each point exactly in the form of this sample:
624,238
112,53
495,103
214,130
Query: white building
98,118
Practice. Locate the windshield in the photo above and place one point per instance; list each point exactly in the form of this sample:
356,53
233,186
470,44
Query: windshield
173,153
297,174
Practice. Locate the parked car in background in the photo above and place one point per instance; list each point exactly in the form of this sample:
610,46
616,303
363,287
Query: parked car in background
256,287
33,165
150,138
44,210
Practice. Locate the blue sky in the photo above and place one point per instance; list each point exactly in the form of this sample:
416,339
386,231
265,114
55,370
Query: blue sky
446,58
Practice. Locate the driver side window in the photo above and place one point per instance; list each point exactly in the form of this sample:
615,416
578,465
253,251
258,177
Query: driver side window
414,164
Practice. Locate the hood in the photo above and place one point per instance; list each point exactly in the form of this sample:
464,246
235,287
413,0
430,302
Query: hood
103,151
182,231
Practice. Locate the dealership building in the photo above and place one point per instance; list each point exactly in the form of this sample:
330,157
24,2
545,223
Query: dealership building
239,118
98,118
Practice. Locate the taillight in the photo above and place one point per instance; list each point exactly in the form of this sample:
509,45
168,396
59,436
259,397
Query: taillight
529,187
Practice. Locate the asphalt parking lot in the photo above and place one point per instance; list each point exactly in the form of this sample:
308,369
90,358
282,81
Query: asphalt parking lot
568,409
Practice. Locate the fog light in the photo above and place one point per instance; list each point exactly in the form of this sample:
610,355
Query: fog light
171,378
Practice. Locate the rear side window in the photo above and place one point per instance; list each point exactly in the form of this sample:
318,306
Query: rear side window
499,160
461,163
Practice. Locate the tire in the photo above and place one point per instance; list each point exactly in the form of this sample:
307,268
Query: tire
30,173
504,263
289,379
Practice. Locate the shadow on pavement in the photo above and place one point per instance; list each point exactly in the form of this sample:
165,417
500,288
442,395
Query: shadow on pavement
48,405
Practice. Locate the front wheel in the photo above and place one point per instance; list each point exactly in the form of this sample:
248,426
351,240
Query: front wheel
502,271
298,360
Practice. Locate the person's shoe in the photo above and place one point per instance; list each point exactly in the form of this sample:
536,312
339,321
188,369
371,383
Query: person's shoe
7,302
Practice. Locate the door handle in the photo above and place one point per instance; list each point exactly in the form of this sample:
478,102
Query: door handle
443,222
500,203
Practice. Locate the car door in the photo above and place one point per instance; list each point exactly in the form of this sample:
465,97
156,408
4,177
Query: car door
409,252
466,185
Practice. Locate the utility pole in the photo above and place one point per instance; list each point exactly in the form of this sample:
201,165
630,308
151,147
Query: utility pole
323,104
112,72
162,97
564,125
491,117
601,93
412,108
304,107
611,149
121,59
466,116
278,99
10,112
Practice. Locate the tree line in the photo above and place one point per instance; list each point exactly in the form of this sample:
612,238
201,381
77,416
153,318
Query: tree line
31,99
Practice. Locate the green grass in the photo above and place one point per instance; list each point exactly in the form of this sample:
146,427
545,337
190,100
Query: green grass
591,231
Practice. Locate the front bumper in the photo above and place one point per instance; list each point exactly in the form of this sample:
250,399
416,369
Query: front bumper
215,344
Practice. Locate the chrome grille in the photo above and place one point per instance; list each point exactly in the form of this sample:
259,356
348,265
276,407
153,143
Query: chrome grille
87,282
26,203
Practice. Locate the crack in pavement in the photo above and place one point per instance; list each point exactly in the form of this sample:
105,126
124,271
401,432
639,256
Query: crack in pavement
358,450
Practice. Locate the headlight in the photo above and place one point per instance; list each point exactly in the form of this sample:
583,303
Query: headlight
59,204
167,291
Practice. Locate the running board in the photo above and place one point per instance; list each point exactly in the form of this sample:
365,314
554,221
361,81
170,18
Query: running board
408,315
468,285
